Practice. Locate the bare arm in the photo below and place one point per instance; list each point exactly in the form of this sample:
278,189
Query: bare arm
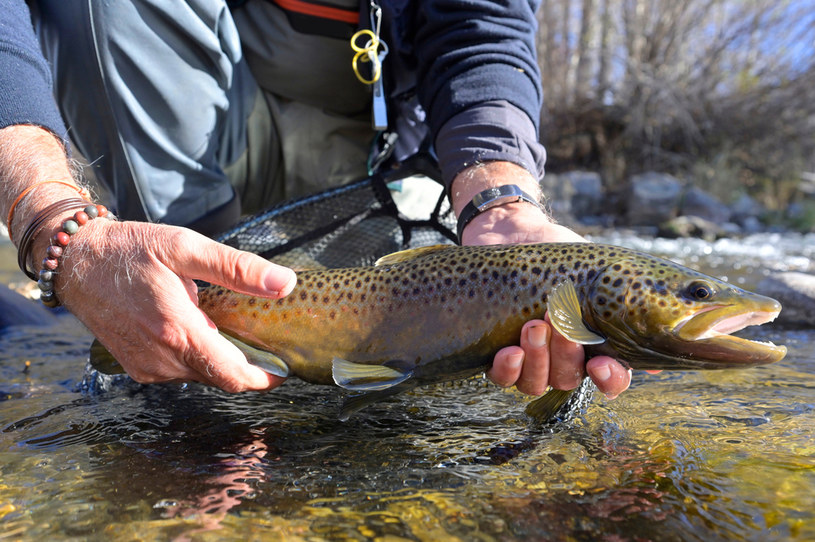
131,283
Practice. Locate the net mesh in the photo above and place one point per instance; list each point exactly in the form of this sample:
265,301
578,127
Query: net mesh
351,225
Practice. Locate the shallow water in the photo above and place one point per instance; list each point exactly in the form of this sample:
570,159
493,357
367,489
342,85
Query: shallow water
681,456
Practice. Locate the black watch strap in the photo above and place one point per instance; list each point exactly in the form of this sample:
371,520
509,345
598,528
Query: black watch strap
492,197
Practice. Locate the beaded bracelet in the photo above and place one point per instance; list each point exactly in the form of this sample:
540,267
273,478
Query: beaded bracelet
45,279
36,225
82,192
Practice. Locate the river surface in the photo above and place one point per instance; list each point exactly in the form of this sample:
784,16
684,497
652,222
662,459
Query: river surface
727,455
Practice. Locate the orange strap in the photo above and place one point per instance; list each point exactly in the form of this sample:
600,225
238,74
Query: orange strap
317,10
25,192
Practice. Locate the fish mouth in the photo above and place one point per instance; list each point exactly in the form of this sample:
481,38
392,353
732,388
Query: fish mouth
707,334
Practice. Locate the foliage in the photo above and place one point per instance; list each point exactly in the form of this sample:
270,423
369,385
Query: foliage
683,86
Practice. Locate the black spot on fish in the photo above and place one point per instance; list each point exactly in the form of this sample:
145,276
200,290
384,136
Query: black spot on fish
617,283
303,295
252,301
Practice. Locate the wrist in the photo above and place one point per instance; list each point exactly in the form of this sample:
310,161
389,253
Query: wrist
50,237
479,177
500,196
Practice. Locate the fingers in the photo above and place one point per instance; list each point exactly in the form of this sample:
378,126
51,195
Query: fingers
610,377
543,359
192,255
159,334
525,366
219,363
546,358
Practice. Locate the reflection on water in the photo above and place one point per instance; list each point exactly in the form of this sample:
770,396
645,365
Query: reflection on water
681,456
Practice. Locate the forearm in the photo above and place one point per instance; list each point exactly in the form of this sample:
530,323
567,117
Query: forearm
30,155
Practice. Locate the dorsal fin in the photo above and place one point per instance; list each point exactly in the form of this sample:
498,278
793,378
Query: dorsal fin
410,254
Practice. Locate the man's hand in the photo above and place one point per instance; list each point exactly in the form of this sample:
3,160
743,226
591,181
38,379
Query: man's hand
544,357
157,332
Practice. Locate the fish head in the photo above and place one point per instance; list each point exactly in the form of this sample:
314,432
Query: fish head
656,314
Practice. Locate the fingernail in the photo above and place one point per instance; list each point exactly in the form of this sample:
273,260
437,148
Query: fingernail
280,282
538,336
602,374
515,360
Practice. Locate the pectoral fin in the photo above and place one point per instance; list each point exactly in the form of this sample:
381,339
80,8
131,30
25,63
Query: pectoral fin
103,361
362,377
567,317
263,359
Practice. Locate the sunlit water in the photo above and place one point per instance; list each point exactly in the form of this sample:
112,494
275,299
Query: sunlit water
681,456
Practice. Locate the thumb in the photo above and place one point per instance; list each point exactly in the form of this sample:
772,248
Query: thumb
198,257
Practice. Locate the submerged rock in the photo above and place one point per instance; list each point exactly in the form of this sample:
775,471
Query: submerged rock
796,292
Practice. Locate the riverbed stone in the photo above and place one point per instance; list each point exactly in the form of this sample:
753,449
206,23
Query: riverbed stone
703,204
653,198
559,192
796,292
587,194
690,226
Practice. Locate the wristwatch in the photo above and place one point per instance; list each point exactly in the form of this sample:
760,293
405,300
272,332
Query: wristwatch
492,197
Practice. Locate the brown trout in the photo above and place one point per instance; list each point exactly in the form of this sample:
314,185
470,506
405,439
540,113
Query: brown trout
442,312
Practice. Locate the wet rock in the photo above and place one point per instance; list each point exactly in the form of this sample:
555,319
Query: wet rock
587,195
16,310
559,193
699,203
746,207
796,292
690,226
653,199
747,213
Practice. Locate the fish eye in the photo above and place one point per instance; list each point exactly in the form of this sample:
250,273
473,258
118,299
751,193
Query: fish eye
700,291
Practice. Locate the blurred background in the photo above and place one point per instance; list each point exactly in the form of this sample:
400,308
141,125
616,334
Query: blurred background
719,94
